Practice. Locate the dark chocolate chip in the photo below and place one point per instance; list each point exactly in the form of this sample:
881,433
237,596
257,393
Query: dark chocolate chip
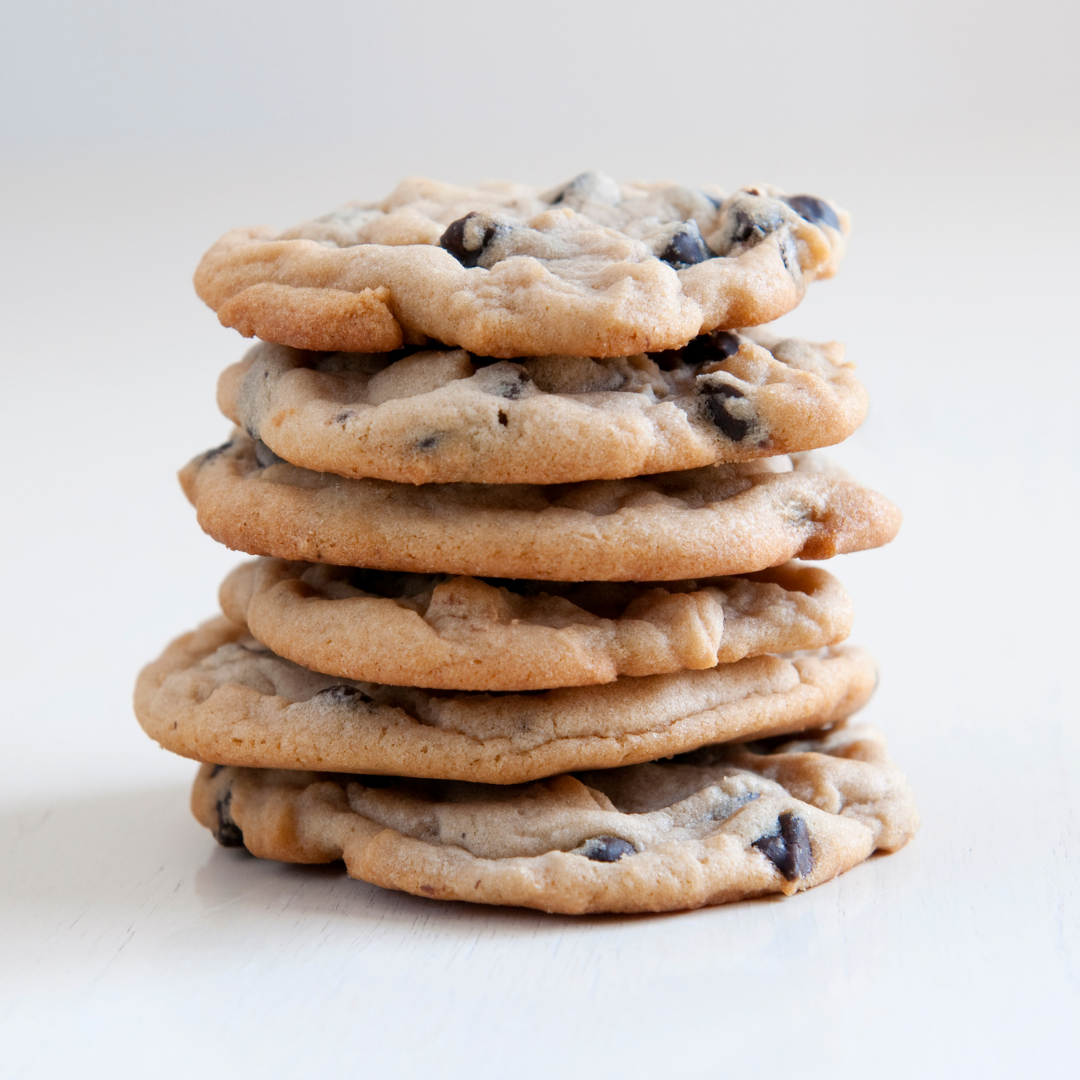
686,248
227,833
754,225
607,848
712,348
789,254
716,396
811,208
789,851
503,418
265,456
464,243
343,695
215,770
428,442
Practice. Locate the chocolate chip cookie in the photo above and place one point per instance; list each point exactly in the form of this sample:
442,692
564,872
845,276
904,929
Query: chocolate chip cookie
720,824
440,416
708,522
463,633
589,268
219,695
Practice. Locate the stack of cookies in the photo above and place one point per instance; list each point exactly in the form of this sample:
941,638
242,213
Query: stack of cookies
525,489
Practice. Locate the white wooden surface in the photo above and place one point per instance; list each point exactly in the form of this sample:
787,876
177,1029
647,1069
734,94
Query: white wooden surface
130,945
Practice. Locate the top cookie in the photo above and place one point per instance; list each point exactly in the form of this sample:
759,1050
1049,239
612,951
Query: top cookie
591,268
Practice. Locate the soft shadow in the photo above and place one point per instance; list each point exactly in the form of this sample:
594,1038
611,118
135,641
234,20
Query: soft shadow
115,853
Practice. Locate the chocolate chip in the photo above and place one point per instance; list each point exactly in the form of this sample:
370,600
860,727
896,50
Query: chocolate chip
503,418
789,256
227,833
466,239
811,208
343,695
428,442
343,416
265,456
716,397
712,348
215,770
753,225
686,248
790,850
607,848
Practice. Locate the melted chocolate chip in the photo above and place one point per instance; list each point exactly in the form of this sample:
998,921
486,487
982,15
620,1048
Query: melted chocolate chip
227,833
215,770
712,348
811,208
716,397
343,695
466,243
265,457
789,851
607,848
686,248
752,226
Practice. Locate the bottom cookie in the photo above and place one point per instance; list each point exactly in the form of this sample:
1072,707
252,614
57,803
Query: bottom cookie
722,823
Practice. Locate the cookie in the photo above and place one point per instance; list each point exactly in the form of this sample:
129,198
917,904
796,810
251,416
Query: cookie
440,416
717,520
591,268
465,633
725,823
219,695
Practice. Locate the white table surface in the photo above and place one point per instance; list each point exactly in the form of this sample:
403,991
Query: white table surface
130,945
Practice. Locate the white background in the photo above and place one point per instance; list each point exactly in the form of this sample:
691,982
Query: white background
133,133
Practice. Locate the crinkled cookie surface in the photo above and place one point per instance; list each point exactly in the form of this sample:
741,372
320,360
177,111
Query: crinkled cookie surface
591,268
463,633
218,695
447,416
722,824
